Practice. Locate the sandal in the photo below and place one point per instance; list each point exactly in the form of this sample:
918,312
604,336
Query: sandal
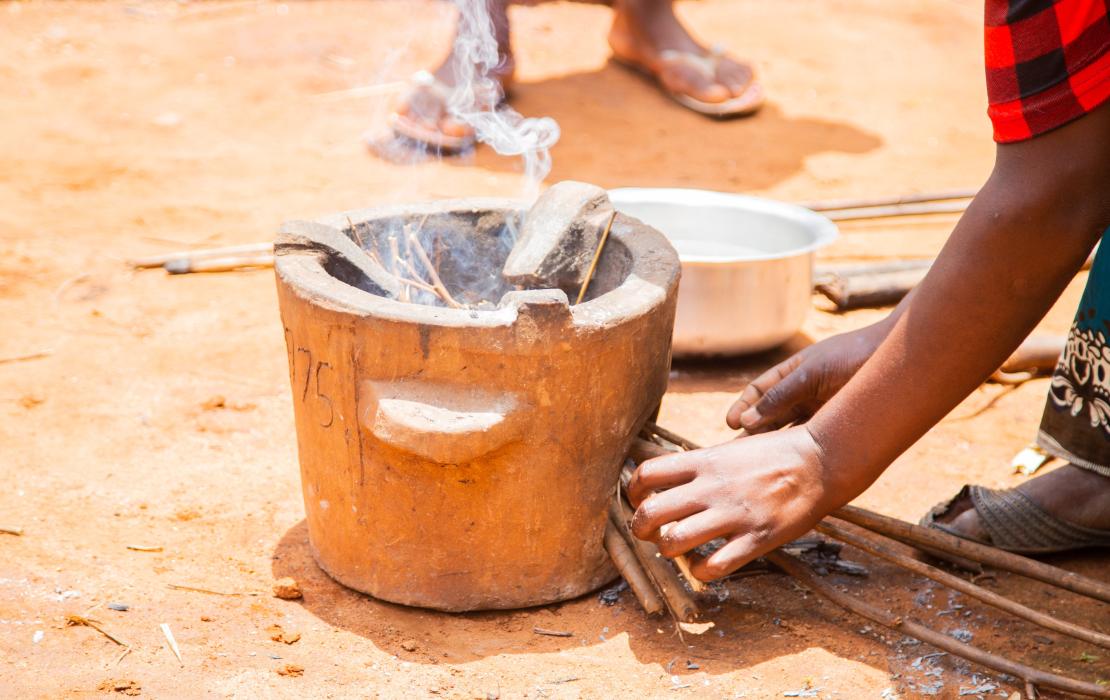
744,104
1015,523
429,98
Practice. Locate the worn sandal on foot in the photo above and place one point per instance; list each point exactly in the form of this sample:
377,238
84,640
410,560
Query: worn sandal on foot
744,104
429,94
1015,523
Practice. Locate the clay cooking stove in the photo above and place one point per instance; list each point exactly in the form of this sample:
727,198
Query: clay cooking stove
463,457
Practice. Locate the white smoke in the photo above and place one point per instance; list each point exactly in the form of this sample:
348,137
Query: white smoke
476,99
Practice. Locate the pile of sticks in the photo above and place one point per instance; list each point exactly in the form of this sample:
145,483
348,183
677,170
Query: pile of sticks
401,265
658,585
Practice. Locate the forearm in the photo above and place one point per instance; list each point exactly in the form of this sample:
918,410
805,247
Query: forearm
1017,247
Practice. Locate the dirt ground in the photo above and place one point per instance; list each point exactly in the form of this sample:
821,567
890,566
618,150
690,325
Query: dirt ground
143,127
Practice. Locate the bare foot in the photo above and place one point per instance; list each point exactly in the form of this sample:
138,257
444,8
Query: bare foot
1074,495
644,32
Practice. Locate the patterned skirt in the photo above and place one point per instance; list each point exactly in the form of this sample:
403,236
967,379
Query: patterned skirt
1076,421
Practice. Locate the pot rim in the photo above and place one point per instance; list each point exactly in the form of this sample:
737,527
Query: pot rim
822,228
652,278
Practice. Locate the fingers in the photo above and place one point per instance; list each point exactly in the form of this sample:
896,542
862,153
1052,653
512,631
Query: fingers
659,509
662,473
750,410
693,531
736,553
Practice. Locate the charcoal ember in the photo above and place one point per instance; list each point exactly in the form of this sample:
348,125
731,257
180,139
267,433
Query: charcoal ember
612,595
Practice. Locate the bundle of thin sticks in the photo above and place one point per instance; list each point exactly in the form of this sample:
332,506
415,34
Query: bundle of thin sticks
656,583
402,265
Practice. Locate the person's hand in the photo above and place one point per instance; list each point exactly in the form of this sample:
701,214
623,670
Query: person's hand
793,390
758,493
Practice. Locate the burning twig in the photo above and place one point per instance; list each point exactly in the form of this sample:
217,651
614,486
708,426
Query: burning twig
800,572
82,621
597,256
394,259
358,239
631,571
419,285
432,273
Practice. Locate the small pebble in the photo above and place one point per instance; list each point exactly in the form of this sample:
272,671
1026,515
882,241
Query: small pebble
287,588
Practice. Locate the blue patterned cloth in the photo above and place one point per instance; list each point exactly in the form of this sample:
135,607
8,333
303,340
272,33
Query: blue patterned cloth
1076,421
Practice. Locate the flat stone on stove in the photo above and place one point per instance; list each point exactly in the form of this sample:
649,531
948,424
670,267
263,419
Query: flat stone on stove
559,237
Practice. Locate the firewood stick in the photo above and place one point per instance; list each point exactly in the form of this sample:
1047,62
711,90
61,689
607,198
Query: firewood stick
675,438
893,210
869,290
825,272
433,274
678,601
643,450
801,573
163,258
631,571
419,285
844,532
1039,352
681,561
929,538
183,266
850,203
597,256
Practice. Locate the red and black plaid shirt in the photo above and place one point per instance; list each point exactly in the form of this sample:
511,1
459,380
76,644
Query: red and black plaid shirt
1048,63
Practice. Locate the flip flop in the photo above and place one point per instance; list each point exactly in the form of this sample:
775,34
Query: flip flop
742,105
425,87
1015,523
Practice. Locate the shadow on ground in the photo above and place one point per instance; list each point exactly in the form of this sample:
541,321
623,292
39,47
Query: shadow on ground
619,130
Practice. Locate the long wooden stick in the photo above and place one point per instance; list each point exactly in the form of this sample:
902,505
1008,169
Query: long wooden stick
842,531
631,571
675,438
861,202
800,572
894,210
230,263
678,601
163,258
597,256
930,538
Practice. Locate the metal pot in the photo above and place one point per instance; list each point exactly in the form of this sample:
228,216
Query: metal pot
747,265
